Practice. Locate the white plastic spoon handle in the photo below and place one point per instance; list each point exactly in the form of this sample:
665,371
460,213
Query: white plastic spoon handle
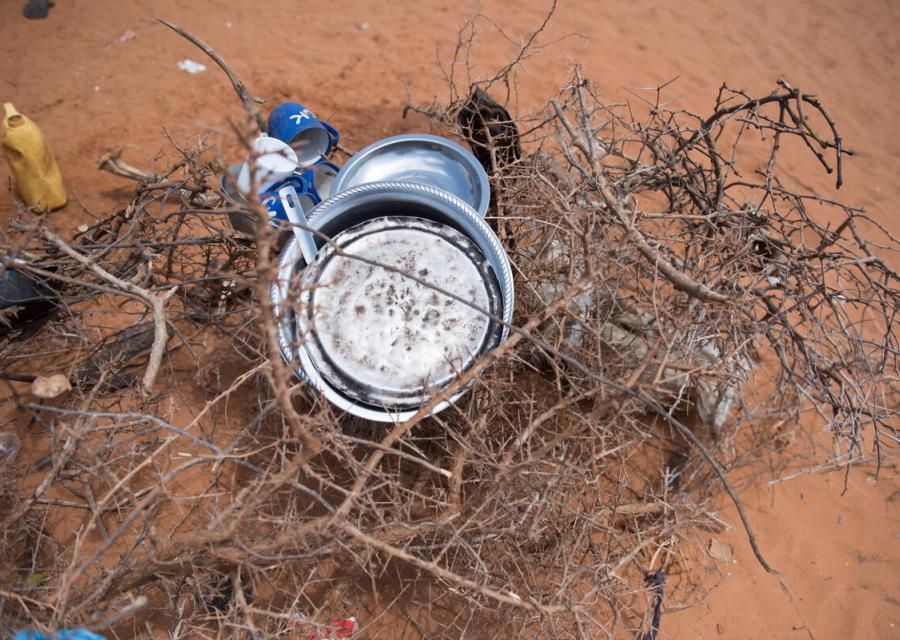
291,203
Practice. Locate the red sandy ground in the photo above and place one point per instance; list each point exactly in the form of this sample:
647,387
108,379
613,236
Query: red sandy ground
96,75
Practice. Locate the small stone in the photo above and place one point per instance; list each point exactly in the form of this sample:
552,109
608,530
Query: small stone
50,386
363,26
720,550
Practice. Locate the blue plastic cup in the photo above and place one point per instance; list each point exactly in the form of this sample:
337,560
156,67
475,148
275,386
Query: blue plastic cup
272,201
296,125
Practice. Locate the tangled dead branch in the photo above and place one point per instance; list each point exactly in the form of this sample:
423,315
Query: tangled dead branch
681,305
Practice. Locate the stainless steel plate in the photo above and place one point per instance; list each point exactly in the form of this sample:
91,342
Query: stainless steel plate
422,159
393,310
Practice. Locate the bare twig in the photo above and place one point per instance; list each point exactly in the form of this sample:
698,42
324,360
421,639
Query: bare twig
156,303
113,163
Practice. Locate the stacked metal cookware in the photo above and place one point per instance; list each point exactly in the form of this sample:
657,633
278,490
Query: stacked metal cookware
390,283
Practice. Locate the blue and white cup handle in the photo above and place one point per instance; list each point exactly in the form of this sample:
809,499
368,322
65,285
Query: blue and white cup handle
272,201
334,133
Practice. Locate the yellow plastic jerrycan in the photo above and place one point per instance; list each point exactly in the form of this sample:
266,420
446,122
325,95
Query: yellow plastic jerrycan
33,165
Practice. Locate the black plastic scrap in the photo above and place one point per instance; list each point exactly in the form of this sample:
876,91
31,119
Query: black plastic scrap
486,123
657,582
114,354
35,9
25,302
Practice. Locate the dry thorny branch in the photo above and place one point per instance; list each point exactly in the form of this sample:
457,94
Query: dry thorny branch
680,307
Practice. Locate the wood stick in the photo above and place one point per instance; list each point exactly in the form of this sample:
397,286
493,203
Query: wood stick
156,303
17,377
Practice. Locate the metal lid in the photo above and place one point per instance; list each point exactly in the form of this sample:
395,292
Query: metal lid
383,313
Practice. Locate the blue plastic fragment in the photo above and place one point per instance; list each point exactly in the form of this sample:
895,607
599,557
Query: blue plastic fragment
65,634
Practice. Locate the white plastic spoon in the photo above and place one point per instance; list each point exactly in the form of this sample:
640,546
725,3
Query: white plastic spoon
291,203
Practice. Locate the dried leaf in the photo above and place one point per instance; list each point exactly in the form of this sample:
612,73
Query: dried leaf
720,550
50,387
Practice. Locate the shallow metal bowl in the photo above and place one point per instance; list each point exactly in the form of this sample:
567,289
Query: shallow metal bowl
423,159
347,209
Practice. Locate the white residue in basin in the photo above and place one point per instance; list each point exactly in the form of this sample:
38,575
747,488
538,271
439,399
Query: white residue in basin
387,330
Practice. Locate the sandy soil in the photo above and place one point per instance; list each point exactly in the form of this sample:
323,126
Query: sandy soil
97,75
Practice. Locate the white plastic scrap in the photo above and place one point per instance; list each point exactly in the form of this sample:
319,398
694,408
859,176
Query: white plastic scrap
192,67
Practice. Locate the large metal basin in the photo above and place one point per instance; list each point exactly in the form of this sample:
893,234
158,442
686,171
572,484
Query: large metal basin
349,208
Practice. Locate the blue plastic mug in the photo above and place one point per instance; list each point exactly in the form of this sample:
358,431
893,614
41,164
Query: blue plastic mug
272,202
296,125
320,178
